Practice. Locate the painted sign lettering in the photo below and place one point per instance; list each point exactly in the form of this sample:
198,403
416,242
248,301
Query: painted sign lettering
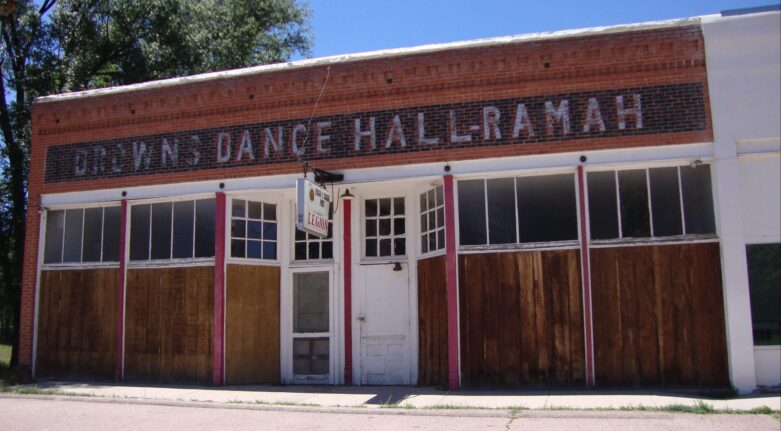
525,120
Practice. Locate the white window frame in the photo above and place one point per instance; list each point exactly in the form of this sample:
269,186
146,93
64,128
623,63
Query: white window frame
622,240
229,229
544,245
81,264
362,219
423,230
294,241
156,263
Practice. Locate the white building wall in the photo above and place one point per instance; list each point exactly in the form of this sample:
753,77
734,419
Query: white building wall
743,55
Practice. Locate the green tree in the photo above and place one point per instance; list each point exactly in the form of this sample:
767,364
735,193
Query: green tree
56,46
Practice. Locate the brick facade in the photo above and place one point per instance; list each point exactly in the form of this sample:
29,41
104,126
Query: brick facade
668,61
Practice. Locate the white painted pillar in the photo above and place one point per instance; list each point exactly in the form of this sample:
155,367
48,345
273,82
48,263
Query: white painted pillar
737,305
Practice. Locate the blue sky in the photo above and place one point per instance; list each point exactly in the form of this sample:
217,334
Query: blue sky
349,26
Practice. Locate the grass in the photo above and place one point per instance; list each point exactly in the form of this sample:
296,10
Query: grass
6,374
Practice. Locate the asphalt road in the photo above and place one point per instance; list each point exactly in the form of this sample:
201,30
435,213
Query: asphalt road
28,413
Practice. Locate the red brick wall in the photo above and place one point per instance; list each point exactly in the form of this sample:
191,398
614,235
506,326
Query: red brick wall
653,57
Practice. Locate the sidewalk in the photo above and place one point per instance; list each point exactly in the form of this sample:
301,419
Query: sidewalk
406,397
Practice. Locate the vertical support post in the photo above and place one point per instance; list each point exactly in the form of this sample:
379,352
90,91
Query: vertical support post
451,277
218,355
348,282
585,268
119,372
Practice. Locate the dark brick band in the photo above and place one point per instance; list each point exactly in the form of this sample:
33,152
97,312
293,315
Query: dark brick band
529,120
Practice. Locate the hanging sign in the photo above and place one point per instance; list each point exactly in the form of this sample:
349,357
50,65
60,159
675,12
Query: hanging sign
313,205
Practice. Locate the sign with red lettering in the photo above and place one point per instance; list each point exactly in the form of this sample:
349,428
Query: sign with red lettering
313,205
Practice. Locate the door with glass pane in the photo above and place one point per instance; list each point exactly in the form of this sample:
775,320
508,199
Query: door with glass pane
312,340
384,283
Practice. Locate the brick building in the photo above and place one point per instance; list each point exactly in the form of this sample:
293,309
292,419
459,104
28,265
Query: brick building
583,208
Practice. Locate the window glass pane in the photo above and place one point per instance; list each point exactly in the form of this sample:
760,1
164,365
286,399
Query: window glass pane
238,228
254,249
237,247
93,220
328,250
238,208
255,210
398,226
310,302
602,205
112,220
371,227
269,212
441,239
634,204
139,232
764,279
439,192
697,200
398,206
310,356
665,201
547,210
399,246
424,244
74,222
204,228
371,208
254,229
269,250
471,212
270,231
371,247
55,226
300,251
501,211
385,226
183,229
385,247
423,202
385,207
161,230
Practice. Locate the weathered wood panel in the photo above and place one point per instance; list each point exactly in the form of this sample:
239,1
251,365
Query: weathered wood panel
658,316
77,324
252,325
521,317
432,322
169,324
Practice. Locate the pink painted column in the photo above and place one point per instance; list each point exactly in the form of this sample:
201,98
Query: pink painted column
348,282
119,370
585,264
218,355
451,277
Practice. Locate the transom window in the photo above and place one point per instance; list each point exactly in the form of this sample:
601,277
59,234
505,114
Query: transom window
82,235
507,211
385,228
311,247
172,230
652,202
432,220
253,229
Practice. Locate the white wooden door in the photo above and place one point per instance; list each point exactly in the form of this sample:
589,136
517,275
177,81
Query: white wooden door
384,324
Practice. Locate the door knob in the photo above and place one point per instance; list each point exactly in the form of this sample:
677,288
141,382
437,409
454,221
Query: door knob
361,318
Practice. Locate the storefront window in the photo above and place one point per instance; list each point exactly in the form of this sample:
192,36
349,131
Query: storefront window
82,235
517,211
432,220
385,229
650,203
764,280
253,229
172,230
